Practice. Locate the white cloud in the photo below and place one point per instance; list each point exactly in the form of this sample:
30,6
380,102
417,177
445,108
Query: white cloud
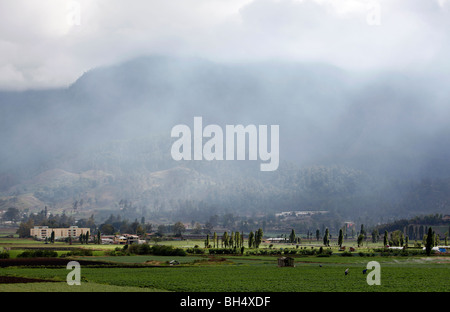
40,47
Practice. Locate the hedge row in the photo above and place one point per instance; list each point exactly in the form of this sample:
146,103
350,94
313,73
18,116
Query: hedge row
38,254
158,250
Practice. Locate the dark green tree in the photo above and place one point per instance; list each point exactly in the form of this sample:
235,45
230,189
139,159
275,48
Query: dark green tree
326,238
360,239
292,236
340,238
12,214
251,240
429,241
107,229
207,241
225,239
215,240
258,237
52,237
179,228
237,239
25,227
375,236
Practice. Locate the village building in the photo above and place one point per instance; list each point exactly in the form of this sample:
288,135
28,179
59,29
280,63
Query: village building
43,232
123,239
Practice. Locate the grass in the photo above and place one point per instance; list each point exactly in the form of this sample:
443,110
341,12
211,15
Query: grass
261,274
239,273
64,287
143,259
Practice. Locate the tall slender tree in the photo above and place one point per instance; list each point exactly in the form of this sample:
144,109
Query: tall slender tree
207,241
251,239
340,238
326,237
225,239
258,237
429,241
292,236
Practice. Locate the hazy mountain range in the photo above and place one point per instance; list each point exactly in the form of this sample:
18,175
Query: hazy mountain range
360,144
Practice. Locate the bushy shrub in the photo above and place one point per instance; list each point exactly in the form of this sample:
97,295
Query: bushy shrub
307,252
159,250
37,254
223,251
162,250
115,252
269,252
196,251
138,249
79,252
4,254
400,252
416,252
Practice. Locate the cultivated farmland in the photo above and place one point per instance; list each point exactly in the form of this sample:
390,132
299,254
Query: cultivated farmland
249,272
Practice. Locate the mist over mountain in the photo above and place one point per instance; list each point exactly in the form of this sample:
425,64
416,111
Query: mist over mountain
358,144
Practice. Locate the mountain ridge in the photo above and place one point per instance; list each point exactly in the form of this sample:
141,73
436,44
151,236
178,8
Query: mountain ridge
388,126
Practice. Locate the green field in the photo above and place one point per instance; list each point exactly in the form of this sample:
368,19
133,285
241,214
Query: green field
229,273
248,274
64,287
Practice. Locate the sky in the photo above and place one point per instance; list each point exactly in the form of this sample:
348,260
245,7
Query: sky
51,43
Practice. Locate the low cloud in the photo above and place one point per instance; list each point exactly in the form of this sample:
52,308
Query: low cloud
42,48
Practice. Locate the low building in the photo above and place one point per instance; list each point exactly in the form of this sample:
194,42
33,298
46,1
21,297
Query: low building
439,249
126,239
132,239
107,239
276,240
43,232
120,239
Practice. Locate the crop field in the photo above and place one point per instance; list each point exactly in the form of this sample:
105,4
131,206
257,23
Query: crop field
106,269
243,274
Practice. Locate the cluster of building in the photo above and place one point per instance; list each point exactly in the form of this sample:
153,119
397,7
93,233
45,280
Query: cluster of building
44,232
123,239
299,214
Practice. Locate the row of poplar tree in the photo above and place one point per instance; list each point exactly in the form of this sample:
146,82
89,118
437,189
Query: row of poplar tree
234,240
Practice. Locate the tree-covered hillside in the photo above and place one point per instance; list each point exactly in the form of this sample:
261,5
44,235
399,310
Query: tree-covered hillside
367,146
